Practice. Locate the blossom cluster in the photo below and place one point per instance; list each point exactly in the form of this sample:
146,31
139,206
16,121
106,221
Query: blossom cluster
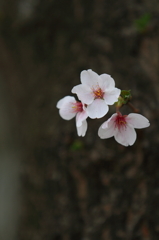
95,94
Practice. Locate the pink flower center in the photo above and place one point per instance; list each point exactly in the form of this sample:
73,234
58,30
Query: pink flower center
98,93
120,121
77,107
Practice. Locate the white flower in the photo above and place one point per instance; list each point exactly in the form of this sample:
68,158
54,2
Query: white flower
69,108
122,127
97,92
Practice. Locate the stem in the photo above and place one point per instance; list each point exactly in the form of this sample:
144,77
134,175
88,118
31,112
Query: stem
117,110
133,108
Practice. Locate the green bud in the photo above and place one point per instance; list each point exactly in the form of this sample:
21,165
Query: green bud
126,95
124,98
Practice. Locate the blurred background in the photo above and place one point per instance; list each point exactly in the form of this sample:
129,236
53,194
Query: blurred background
55,185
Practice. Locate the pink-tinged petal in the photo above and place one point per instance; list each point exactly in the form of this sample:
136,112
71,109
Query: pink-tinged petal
97,109
89,78
65,100
137,120
80,117
65,113
106,82
84,94
120,138
110,122
111,97
65,105
106,132
125,136
81,131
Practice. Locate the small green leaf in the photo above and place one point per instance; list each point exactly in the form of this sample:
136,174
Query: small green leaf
142,22
76,145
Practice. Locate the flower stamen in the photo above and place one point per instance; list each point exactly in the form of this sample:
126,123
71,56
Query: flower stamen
77,107
98,93
120,121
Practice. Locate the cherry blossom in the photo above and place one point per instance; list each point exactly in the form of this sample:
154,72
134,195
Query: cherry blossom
69,108
97,92
122,127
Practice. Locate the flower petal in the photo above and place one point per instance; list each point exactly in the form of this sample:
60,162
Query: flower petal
89,78
97,109
106,82
84,93
65,100
80,117
110,121
81,131
111,97
125,136
65,106
106,132
137,120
